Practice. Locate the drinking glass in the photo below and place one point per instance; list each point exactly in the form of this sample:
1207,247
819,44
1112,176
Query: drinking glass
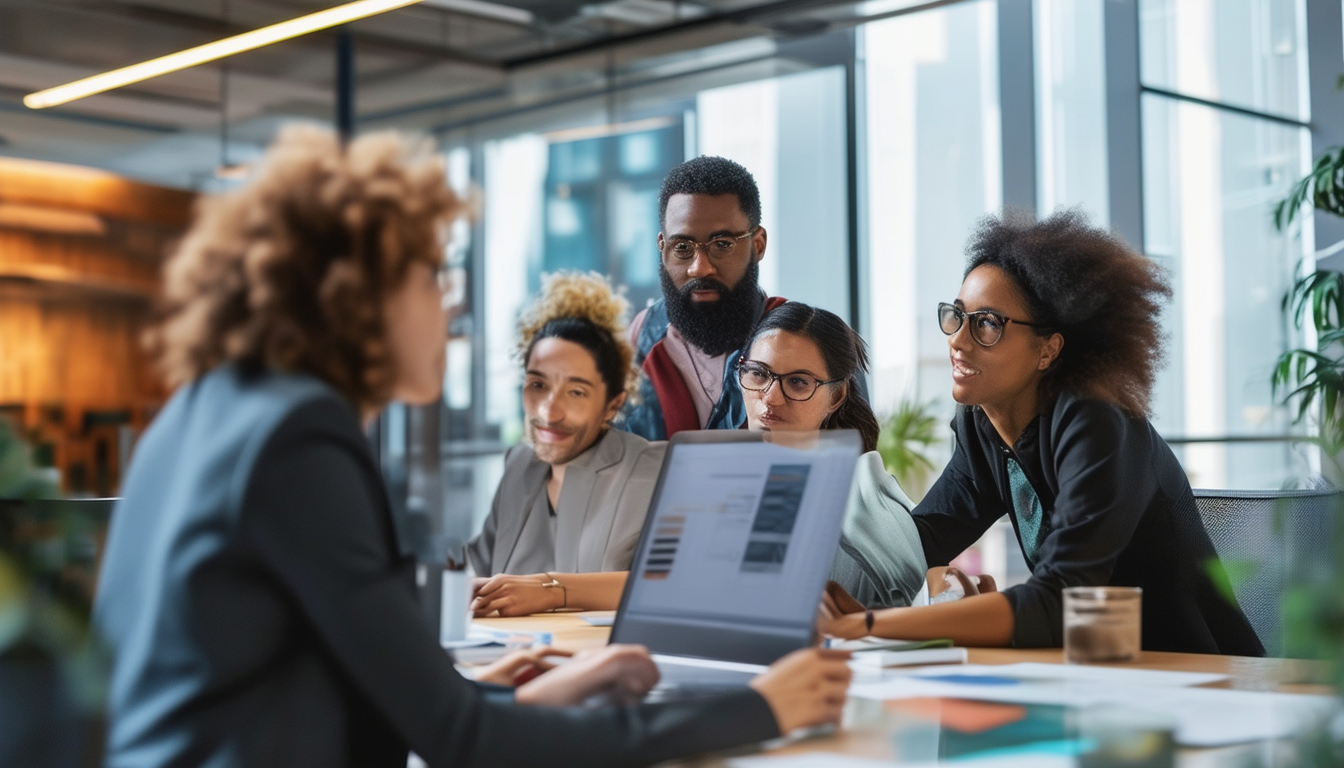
1102,624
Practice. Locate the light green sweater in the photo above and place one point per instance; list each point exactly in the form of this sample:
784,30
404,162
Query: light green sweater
880,561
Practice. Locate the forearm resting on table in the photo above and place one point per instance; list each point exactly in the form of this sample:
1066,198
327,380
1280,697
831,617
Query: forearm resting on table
979,620
593,591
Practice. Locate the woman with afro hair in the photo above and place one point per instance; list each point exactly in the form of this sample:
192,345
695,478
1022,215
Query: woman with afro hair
1054,342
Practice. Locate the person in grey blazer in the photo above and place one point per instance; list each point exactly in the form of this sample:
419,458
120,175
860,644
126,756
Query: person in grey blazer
253,596
574,496
597,519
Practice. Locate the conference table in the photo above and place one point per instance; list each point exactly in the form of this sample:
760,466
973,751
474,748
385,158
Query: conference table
869,725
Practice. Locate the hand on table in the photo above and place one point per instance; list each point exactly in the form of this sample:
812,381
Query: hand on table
623,673
952,583
519,667
513,595
805,688
840,615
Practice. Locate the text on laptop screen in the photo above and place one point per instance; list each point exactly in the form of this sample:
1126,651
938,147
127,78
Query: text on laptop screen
731,531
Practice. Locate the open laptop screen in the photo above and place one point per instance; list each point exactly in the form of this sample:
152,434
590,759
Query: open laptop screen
739,540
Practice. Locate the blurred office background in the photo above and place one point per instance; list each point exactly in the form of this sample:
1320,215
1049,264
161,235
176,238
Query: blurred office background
878,131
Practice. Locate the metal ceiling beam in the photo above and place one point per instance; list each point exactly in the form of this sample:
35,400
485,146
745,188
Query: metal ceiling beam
738,16
215,27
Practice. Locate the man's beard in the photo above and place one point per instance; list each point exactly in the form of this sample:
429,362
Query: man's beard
714,327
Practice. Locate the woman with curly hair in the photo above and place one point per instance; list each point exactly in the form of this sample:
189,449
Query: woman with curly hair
573,497
258,607
1055,341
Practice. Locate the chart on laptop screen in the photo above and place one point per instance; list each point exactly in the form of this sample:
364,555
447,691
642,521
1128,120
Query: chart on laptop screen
741,529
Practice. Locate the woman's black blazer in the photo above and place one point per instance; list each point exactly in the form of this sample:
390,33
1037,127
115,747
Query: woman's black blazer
260,613
1118,510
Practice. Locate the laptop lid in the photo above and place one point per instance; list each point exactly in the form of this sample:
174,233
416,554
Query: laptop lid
739,539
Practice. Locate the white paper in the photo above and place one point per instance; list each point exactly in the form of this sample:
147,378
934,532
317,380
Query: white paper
836,760
1203,717
920,656
1143,678
807,760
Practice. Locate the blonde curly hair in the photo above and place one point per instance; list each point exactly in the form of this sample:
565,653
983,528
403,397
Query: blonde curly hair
290,271
571,305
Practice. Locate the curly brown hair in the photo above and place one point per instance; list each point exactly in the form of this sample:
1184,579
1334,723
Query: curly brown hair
584,308
1088,285
290,270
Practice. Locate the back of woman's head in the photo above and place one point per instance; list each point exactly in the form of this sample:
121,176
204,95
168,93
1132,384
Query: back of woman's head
290,271
584,309
845,354
1088,285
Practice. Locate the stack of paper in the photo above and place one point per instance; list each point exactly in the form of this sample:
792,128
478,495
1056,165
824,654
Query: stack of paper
1204,717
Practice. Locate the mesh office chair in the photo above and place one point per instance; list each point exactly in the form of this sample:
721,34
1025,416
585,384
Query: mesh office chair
1268,540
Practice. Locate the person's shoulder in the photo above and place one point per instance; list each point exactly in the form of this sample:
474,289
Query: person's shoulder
281,401
968,421
219,430
1072,410
629,441
649,326
1079,420
265,394
873,481
627,449
652,452
291,412
518,457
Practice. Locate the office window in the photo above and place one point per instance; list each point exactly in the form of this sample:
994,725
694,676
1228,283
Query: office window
1242,53
601,209
790,133
1070,72
1211,178
932,165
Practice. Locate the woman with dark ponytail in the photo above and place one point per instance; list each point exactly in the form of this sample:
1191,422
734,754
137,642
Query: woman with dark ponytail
800,371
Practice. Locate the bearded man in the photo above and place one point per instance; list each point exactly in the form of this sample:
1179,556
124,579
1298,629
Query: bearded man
710,243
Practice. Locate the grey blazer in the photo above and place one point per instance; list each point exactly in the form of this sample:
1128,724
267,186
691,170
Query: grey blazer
602,508
260,613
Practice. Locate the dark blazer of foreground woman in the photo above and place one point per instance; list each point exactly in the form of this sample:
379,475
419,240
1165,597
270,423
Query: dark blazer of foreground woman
260,614
1117,510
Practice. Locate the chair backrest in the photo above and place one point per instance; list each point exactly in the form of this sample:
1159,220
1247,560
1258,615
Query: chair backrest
1268,540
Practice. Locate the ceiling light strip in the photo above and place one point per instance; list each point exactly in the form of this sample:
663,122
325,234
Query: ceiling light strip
257,38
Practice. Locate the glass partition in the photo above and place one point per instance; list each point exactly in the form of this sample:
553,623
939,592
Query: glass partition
932,166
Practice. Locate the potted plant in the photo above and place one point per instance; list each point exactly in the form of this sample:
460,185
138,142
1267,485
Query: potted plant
52,672
904,442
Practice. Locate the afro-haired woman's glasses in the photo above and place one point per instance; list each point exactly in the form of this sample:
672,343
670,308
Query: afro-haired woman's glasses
986,324
795,386
715,248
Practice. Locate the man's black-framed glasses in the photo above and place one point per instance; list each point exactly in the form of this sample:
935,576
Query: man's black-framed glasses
796,386
986,324
720,247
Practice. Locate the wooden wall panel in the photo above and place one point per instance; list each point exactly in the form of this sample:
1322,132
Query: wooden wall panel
30,182
80,258
83,354
83,261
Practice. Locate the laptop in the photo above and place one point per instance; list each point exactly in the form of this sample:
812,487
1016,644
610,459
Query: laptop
735,551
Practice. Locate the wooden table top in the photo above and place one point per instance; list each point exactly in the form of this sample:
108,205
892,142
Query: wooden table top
869,724
571,632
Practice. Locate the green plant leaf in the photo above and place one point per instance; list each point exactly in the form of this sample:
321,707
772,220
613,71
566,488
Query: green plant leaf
1323,188
904,440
